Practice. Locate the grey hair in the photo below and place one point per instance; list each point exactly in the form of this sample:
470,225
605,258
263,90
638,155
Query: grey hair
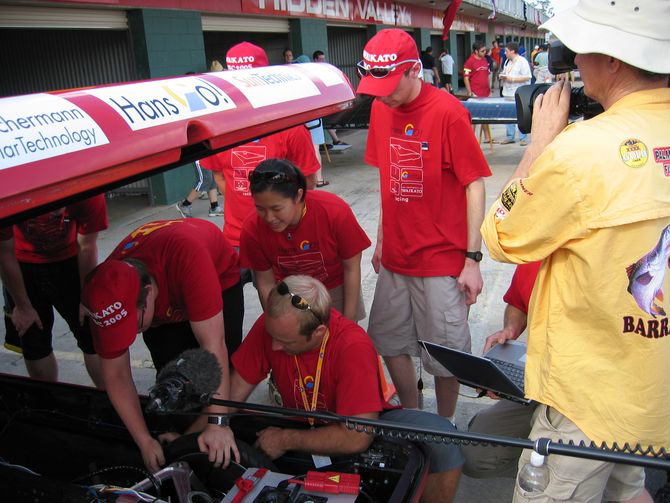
312,291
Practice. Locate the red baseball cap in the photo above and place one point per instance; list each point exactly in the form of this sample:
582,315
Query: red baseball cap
110,298
245,55
386,49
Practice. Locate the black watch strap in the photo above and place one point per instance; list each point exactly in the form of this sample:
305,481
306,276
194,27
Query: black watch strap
220,420
476,256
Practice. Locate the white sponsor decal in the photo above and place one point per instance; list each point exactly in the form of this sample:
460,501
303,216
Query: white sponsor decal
329,75
159,102
270,85
42,126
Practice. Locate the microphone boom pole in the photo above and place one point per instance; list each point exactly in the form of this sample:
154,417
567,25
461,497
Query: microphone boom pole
625,455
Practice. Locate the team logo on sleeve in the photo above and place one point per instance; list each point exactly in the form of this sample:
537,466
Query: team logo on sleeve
508,197
633,153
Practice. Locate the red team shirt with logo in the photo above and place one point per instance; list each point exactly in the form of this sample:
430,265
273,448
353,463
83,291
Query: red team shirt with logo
327,234
349,379
52,237
479,76
191,262
294,144
426,155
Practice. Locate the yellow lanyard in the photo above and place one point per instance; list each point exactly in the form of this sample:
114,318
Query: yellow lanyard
317,379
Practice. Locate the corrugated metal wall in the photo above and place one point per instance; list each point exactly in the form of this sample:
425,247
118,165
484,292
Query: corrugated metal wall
34,60
345,49
37,60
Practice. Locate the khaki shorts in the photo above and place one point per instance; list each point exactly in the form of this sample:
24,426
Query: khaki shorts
337,301
577,479
405,306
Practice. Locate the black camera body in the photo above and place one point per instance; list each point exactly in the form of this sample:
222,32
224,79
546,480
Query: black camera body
561,60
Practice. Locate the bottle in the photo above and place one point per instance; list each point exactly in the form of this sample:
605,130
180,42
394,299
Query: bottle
534,476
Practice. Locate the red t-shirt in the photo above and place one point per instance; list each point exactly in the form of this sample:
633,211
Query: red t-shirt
327,234
426,153
521,287
495,54
349,377
478,72
294,144
191,262
52,237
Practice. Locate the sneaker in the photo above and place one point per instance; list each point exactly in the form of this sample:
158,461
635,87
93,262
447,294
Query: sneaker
506,141
340,142
203,195
185,211
217,211
523,143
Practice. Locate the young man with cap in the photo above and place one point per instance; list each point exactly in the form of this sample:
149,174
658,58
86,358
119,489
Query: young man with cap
231,167
599,342
178,282
318,357
432,204
43,261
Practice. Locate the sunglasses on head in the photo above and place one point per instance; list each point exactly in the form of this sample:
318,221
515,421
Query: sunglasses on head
297,301
272,177
379,72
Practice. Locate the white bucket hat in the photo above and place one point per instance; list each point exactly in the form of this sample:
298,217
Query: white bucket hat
636,32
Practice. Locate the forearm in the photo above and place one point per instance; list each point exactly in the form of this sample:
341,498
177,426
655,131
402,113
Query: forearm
515,321
123,395
11,275
475,200
466,81
352,285
87,257
220,181
331,440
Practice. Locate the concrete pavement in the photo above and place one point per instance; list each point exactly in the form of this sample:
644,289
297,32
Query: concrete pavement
358,184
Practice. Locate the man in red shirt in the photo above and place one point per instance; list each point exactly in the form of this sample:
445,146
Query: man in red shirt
318,358
505,418
42,262
231,168
476,72
432,204
178,282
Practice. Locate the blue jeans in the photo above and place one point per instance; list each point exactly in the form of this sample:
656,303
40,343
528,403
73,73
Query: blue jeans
511,128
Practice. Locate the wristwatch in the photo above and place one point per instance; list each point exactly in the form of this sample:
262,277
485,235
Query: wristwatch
220,420
476,256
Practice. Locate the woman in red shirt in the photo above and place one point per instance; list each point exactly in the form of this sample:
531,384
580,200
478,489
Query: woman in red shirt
299,232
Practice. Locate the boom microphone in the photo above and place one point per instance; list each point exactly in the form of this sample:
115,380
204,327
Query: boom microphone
185,383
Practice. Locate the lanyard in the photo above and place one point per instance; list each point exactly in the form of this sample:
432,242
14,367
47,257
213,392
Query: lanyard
317,379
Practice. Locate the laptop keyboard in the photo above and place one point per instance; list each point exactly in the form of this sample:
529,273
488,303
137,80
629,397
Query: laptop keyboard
512,371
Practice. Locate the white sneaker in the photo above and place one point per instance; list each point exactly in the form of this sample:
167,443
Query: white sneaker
203,195
217,211
185,211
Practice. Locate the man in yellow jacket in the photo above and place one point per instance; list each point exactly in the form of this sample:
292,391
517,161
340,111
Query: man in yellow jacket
592,201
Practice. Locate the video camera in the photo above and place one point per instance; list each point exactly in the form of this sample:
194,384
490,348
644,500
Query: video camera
561,60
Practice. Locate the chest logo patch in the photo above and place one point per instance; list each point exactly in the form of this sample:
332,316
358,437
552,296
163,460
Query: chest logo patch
633,153
305,245
409,129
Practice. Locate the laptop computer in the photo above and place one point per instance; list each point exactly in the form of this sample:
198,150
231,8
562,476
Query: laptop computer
501,370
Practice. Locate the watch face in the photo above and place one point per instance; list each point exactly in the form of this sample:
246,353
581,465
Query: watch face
476,256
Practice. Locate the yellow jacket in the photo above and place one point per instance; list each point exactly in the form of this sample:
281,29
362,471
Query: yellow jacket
596,209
